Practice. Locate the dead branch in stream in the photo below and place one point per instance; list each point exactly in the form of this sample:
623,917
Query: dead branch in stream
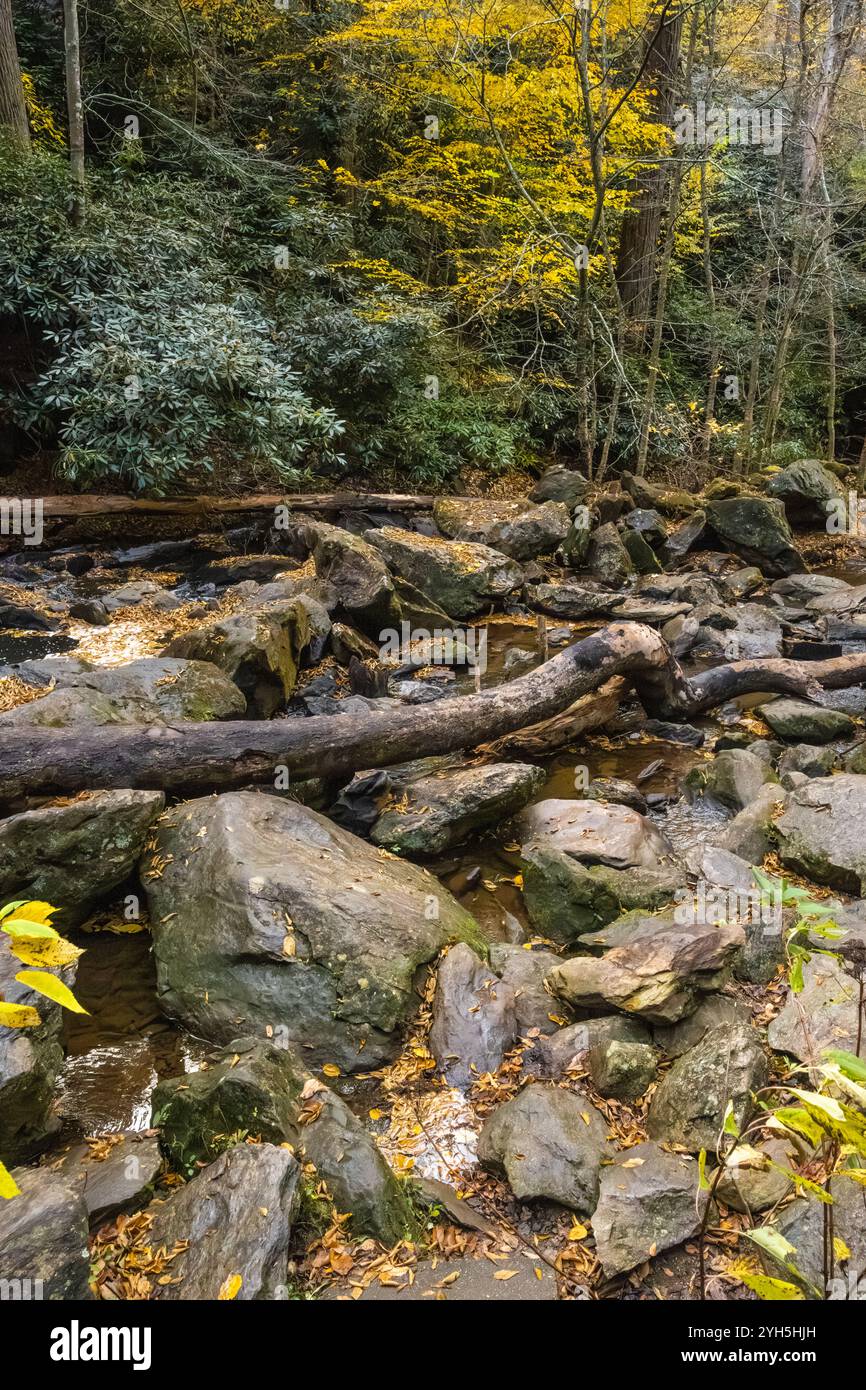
204,757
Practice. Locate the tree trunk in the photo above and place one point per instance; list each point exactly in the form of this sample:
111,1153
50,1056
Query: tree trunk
75,108
640,225
195,758
13,109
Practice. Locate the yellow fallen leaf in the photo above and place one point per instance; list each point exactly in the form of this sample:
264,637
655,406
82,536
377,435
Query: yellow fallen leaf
18,1016
51,987
34,912
505,1274
375,1114
45,952
230,1287
329,1069
578,1232
8,1186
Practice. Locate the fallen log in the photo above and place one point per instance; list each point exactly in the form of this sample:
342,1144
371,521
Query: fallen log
92,504
203,757
591,711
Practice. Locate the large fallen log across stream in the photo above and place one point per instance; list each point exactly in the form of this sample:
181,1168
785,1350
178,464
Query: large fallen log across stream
203,757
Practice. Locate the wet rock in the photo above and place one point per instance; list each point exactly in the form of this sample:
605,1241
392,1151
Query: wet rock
733,779
525,973
622,1070
647,494
595,831
235,569
856,760
750,1183
689,1106
658,976
144,591
520,529
608,558
565,899
685,734
255,650
255,1087
838,602
571,600
441,810
559,484
115,1179
797,719
30,1063
756,528
43,1236
237,1216
751,833
566,1049
690,589
618,790
74,854
474,1022
649,1201
358,573
461,577
808,491
827,1005
267,914
820,833
549,1143
714,1011
640,610
720,868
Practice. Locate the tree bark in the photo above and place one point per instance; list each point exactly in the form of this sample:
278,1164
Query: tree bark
75,108
203,757
13,108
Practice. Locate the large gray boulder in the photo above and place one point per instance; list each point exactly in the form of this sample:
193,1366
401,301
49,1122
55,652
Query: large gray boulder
756,529
565,899
549,1143
595,832
560,484
474,1020
356,570
820,833
752,832
74,854
608,559
649,1201
237,1216
43,1237
517,528
658,974
256,650
566,1049
797,719
257,1088
441,809
462,577
689,1107
572,600
807,489
151,691
265,914
526,973
733,778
